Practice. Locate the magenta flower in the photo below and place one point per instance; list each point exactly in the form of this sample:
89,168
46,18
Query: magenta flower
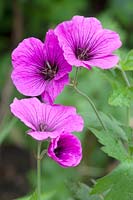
40,68
46,121
85,43
66,150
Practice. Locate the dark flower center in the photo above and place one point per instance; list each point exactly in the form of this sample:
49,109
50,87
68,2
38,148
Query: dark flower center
42,127
58,151
49,72
82,54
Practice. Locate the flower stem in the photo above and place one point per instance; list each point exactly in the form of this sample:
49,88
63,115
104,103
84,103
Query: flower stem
128,85
75,77
128,108
128,116
39,171
125,78
92,105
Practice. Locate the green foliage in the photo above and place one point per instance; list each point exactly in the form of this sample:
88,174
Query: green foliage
54,178
113,138
45,196
117,142
118,184
112,144
34,196
127,63
114,77
110,123
80,191
8,127
121,96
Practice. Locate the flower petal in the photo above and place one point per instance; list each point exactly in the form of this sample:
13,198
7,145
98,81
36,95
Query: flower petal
54,88
40,136
28,59
45,120
54,55
104,43
64,118
75,33
66,150
29,52
85,43
105,62
28,111
28,81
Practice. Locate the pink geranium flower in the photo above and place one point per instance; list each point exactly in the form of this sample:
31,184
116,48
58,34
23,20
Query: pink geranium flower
44,120
66,150
85,43
40,68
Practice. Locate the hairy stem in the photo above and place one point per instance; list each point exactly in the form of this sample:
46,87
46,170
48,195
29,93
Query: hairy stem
76,76
39,171
128,85
92,105
125,78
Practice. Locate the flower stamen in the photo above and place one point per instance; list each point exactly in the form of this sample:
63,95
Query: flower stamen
82,54
49,72
42,127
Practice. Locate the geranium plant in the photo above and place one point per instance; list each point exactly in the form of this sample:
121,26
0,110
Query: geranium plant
41,71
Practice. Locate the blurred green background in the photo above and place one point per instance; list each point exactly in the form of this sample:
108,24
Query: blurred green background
25,18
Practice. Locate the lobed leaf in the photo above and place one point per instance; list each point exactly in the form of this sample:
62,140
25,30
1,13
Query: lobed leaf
110,123
118,184
127,64
121,96
81,191
115,139
112,145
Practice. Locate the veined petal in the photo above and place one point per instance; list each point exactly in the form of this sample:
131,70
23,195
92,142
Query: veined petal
60,116
46,120
27,60
54,88
76,33
29,52
28,111
84,41
28,80
104,43
66,150
40,136
54,55
105,62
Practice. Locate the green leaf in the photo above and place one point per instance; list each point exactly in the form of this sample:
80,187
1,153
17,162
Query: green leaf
118,184
81,191
34,196
115,139
111,124
127,64
113,146
8,127
121,96
114,77
45,196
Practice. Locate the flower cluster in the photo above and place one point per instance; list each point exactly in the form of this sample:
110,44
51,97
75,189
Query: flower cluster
41,69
